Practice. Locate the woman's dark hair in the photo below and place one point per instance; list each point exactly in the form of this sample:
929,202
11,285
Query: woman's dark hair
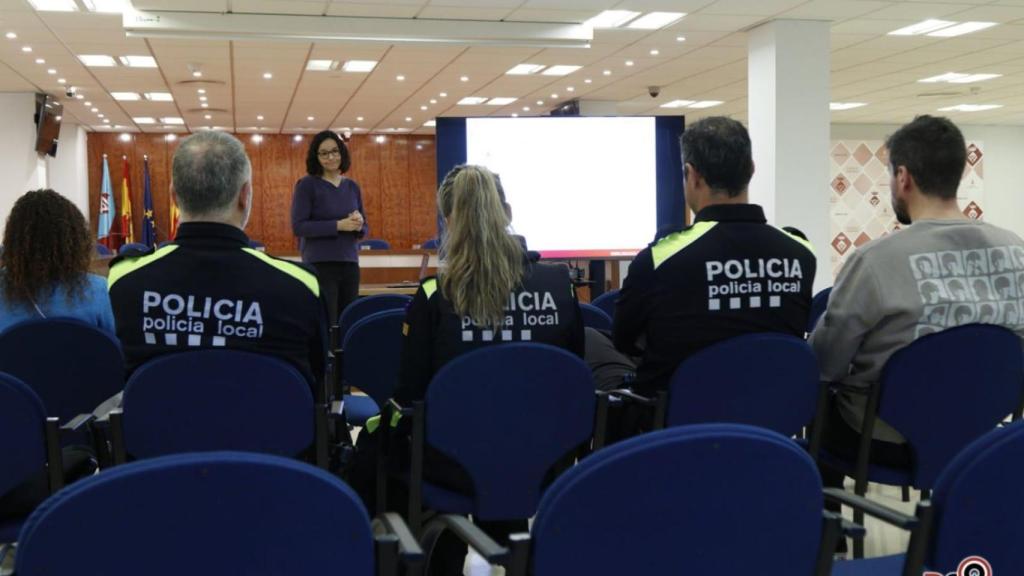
46,244
313,167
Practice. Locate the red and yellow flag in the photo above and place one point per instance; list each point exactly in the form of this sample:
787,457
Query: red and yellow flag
175,216
127,230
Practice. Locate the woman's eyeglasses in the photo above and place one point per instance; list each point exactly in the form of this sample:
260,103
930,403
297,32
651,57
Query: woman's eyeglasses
329,153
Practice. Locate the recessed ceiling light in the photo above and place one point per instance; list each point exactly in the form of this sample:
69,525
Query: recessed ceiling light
443,94
143,62
203,98
526,108
408,118
126,137
87,104
472,100
400,78
106,120
464,79
94,110
259,117
680,38
540,102
51,71
40,61
108,6
629,62
359,118
560,70
204,105
423,107
587,80
11,36
359,65
654,52
514,115
656,20
144,120
100,116
433,101
837,106
208,116
197,74
97,60
61,81
570,89
922,27
257,138
159,96
607,72
54,5
172,120
267,76
554,96
380,139
320,65
970,107
79,97
677,104
26,48
503,101
611,19
705,104
171,137
961,29
201,91
310,118
525,69
297,137
125,96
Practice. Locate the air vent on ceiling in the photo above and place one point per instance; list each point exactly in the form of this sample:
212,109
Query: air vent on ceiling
200,82
940,94
207,111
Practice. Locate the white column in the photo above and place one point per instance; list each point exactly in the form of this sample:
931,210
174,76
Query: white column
788,96
21,166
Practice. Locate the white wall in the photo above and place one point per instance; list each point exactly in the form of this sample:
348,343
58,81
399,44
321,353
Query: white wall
1003,149
21,167
69,171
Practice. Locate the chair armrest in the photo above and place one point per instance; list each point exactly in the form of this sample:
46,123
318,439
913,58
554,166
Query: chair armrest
874,509
392,523
77,423
469,533
627,394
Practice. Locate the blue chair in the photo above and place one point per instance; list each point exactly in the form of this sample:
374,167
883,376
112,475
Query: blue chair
234,513
363,307
507,414
209,400
28,444
937,404
133,247
372,351
71,365
431,244
682,501
974,511
103,250
164,243
594,317
606,302
818,305
374,244
767,380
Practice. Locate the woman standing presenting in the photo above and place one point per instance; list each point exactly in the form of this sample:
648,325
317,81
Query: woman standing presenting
328,219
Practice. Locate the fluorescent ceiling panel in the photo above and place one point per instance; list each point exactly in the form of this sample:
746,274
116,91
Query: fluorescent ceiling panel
845,105
359,65
501,101
611,19
959,78
54,5
110,6
961,29
125,96
97,60
472,101
560,70
656,20
677,104
172,120
138,61
159,96
705,104
923,27
320,65
970,107
144,120
525,69
428,124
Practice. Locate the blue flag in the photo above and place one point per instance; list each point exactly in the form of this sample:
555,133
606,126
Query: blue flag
107,208
148,226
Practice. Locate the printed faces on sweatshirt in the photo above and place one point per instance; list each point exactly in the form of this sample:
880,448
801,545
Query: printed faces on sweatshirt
983,285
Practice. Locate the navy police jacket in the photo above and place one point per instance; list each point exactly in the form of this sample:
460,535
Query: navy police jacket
726,275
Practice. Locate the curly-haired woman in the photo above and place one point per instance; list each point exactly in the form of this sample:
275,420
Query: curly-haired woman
47,249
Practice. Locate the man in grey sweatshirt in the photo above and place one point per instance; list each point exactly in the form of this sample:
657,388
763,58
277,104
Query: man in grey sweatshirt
943,271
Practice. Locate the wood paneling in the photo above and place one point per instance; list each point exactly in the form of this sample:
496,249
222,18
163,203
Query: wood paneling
396,178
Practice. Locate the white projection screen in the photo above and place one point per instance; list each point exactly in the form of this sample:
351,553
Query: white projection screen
579,187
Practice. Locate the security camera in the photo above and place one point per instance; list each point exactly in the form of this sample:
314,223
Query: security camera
654,91
70,91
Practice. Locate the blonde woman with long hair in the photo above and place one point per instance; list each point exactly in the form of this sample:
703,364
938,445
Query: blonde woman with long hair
487,292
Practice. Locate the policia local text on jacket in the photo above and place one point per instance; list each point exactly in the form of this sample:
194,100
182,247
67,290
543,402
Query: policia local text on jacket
209,289
728,274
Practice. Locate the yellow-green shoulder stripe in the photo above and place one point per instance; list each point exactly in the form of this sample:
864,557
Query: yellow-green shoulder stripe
673,243
429,287
129,265
806,243
297,272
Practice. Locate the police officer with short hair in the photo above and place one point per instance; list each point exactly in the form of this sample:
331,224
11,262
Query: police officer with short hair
727,274
209,289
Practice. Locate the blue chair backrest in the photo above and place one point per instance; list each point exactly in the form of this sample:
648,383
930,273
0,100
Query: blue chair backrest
373,349
375,244
234,513
431,244
767,380
818,305
684,501
164,243
217,400
945,390
507,413
606,302
594,317
978,504
72,366
362,307
102,250
133,247
22,436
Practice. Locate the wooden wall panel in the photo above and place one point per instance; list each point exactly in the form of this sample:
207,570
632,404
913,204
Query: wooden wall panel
397,182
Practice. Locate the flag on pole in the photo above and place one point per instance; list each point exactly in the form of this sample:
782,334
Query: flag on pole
107,208
127,230
148,226
175,216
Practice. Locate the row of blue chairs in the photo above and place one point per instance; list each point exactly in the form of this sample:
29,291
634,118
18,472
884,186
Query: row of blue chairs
641,506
